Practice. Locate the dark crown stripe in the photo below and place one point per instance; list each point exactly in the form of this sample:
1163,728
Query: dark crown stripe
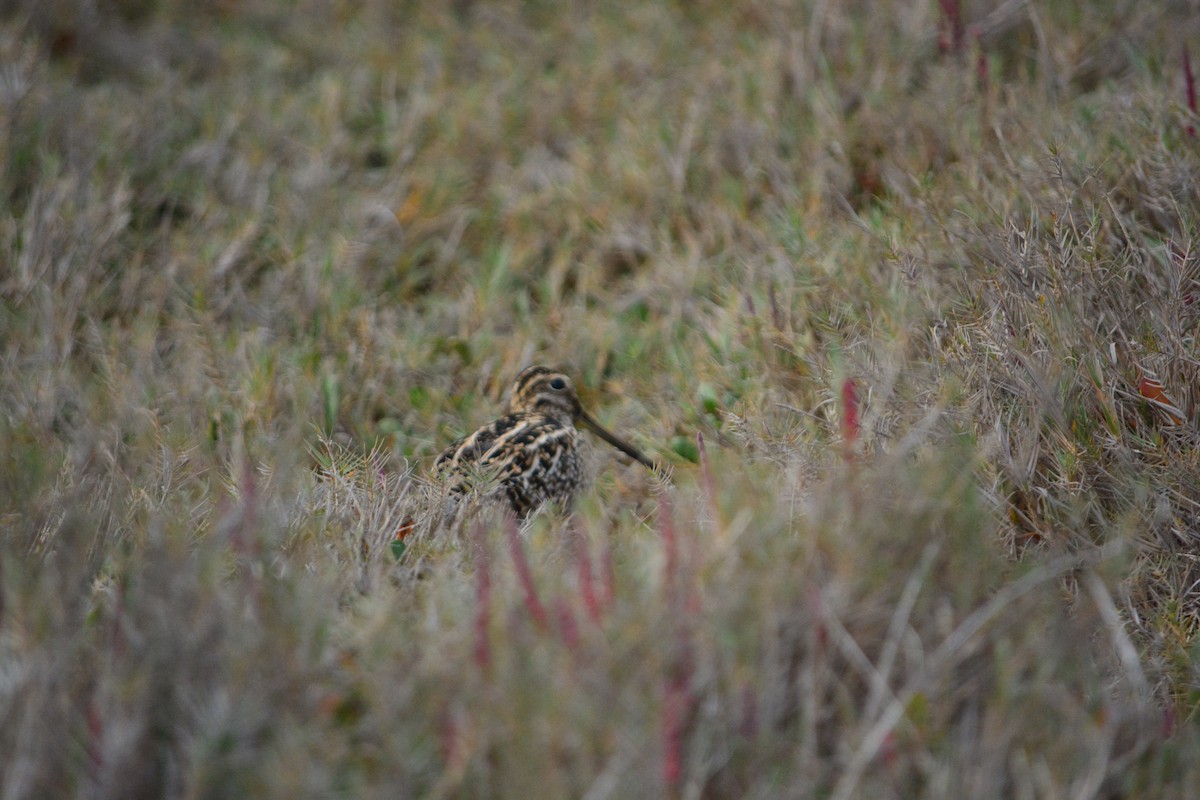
530,376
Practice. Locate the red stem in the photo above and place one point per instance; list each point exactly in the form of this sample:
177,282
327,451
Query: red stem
952,33
850,422
483,594
675,708
749,725
525,576
609,574
666,529
706,476
568,628
981,62
95,747
587,582
1189,82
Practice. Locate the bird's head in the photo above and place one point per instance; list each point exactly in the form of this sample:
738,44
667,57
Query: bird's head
541,390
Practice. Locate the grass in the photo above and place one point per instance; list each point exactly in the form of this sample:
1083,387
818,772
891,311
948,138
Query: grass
905,297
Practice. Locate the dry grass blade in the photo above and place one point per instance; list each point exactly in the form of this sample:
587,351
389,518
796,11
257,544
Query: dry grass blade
952,648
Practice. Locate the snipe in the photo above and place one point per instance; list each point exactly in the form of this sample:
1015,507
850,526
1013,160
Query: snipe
532,452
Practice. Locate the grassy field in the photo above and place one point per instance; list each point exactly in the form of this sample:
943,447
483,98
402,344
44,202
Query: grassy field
906,295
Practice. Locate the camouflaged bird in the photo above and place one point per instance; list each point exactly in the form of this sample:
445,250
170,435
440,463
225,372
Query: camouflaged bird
533,451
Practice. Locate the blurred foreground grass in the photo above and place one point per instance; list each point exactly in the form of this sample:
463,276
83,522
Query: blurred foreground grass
922,276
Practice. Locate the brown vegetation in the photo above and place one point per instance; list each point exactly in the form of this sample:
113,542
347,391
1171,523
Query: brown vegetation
907,293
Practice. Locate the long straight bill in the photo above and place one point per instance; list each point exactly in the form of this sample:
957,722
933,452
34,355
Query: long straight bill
624,447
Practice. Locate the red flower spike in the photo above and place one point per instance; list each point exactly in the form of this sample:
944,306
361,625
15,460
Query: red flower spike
981,62
568,628
608,573
749,724
888,750
951,30
706,478
483,594
666,529
851,426
95,747
675,707
1169,724
587,582
1189,83
525,575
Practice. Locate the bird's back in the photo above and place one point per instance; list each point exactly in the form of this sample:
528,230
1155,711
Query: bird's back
533,458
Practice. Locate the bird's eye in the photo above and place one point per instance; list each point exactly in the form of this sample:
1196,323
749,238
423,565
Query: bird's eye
558,384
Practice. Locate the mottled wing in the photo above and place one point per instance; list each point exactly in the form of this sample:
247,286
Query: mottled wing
537,461
469,448
462,463
533,459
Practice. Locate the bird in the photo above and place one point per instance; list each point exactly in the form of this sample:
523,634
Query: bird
532,452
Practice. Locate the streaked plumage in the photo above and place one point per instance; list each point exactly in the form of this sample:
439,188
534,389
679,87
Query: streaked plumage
532,452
